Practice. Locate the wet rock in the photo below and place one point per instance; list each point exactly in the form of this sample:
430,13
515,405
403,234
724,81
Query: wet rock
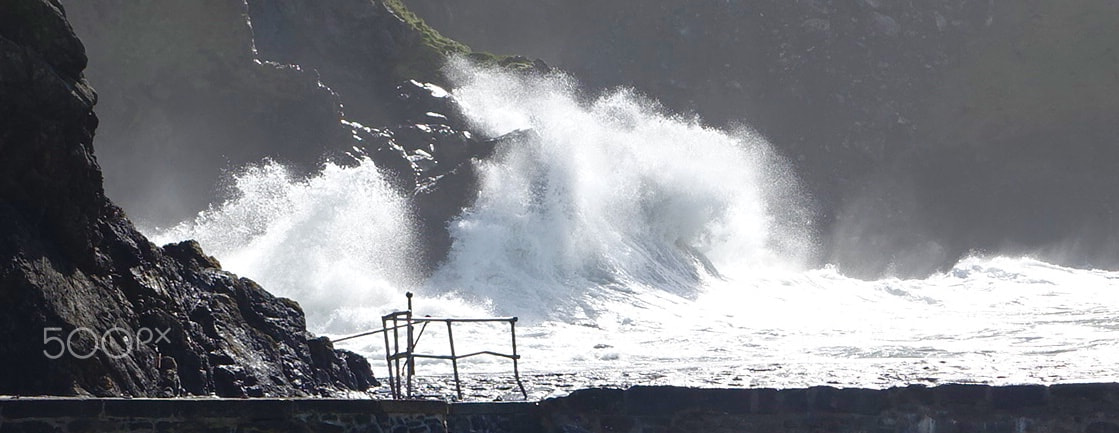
190,252
87,304
418,100
169,383
431,163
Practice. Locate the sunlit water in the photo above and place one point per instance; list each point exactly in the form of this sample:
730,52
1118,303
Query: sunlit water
638,247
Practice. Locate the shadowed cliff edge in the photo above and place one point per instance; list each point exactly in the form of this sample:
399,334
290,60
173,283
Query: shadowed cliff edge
73,267
193,91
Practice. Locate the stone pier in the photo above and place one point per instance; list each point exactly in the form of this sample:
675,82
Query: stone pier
1079,408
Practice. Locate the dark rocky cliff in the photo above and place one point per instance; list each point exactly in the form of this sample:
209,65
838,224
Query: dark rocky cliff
192,90
195,89
923,129
371,53
72,265
184,98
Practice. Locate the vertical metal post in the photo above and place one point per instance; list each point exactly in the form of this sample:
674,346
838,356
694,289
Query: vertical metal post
516,371
454,360
388,359
411,363
396,352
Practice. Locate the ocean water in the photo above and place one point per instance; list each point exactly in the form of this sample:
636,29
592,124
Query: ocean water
638,247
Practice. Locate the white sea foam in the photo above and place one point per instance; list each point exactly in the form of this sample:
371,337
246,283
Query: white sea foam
610,199
340,243
633,240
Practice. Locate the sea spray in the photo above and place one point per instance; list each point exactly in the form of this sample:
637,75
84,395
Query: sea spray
608,199
340,242
647,244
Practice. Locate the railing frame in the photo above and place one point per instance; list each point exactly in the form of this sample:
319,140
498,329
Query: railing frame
407,321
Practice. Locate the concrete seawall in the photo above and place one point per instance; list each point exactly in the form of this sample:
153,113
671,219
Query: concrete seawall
1086,408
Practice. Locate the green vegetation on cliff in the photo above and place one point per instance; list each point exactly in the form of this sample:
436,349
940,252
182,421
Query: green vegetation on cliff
426,62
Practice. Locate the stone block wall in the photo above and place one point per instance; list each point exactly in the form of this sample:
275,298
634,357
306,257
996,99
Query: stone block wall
220,415
1073,408
1087,408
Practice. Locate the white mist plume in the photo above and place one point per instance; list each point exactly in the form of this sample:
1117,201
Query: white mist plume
611,194
603,216
339,242
604,201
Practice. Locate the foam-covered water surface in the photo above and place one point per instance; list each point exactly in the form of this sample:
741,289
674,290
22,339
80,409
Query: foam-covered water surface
641,247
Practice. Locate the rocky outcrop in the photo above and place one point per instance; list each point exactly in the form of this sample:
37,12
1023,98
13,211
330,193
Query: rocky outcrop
87,304
924,130
192,90
372,53
359,47
184,99
431,158
362,49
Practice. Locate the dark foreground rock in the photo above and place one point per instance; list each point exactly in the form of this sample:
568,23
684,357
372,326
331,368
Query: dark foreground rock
88,306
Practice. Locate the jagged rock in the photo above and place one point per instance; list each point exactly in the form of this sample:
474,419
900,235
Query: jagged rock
420,101
364,50
432,163
123,316
355,45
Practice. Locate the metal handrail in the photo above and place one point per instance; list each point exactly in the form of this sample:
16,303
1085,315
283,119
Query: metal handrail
394,354
423,320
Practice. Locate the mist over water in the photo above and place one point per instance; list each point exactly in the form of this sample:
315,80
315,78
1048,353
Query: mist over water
637,240
609,199
340,243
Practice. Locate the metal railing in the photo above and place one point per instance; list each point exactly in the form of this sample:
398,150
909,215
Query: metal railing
404,322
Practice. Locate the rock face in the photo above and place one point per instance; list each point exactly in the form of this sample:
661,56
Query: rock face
371,56
184,99
192,90
923,129
357,46
87,304
430,157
